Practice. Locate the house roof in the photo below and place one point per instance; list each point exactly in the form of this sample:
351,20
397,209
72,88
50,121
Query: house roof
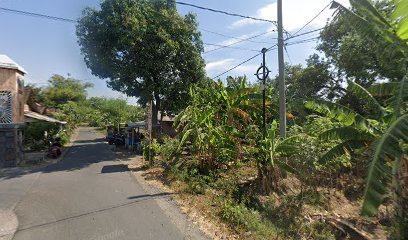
166,118
136,124
6,62
39,117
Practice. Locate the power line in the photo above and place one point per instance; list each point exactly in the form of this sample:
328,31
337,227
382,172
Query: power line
240,64
224,46
32,14
242,40
227,36
287,54
305,33
225,13
311,20
273,47
37,15
231,14
302,41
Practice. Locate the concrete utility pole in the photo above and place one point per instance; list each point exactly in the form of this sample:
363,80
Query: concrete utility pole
282,86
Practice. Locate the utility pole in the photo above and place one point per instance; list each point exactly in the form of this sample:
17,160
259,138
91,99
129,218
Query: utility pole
282,87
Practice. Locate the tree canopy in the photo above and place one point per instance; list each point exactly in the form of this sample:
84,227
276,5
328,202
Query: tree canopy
145,49
63,90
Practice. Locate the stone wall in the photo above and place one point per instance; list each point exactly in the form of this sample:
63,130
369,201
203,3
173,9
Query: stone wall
11,147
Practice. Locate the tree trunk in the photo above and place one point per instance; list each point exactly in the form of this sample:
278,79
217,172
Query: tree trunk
269,177
155,112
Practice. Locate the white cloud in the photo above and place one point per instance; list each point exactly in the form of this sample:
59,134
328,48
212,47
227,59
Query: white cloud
246,69
216,67
235,40
296,13
219,65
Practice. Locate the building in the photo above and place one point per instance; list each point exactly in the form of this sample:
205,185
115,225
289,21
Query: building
11,112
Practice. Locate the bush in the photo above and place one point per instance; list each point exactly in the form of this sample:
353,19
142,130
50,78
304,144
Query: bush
150,150
312,149
34,134
196,182
247,219
168,151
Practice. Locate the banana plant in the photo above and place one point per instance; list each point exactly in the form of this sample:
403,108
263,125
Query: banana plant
357,131
391,38
214,121
272,151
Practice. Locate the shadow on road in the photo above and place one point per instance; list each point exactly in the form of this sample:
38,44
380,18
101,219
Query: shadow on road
140,198
82,154
114,168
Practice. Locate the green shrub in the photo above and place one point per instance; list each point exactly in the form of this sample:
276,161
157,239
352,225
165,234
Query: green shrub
168,151
321,231
150,150
246,219
34,134
313,148
197,183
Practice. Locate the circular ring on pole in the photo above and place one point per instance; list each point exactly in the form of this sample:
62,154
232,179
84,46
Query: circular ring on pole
258,73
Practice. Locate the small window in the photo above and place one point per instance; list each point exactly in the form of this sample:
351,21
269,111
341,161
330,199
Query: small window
5,107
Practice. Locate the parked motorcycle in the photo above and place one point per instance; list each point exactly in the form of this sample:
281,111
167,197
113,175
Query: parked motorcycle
119,140
110,139
54,149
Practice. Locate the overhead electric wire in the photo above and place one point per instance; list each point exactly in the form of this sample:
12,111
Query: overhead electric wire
226,13
305,33
231,14
36,15
204,8
247,39
287,54
224,46
240,64
227,36
302,41
242,40
273,47
311,20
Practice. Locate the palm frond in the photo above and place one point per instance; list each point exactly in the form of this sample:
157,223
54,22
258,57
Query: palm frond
400,15
286,149
379,173
337,112
375,28
186,135
383,89
401,95
345,133
366,97
343,148
283,165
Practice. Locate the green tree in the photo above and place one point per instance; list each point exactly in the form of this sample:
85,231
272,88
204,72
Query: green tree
112,111
353,56
64,90
145,49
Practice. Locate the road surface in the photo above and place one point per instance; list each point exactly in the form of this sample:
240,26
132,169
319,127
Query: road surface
88,195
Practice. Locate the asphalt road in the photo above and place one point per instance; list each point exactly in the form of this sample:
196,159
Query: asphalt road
89,195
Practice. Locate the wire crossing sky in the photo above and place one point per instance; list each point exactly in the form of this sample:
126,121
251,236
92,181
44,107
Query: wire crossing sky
39,38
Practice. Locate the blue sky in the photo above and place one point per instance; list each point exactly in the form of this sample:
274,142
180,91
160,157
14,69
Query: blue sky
44,47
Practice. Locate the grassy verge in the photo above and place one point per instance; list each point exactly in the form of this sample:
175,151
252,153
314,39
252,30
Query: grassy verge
232,202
